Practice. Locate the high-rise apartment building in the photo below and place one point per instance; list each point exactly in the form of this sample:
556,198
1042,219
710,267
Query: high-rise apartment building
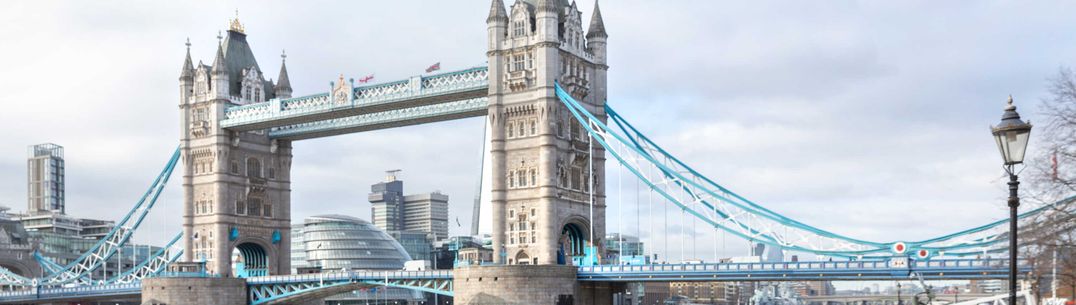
46,178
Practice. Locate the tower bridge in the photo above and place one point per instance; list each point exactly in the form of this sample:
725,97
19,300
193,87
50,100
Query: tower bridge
544,98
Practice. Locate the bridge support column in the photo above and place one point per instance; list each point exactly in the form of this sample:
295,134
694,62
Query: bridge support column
516,285
194,291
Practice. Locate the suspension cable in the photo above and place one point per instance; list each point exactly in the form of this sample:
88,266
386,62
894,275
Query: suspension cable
619,213
590,183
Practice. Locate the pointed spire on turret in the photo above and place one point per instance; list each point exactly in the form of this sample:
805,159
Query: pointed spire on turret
188,66
218,62
283,85
497,12
597,26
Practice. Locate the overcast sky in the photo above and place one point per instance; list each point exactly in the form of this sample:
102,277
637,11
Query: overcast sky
867,118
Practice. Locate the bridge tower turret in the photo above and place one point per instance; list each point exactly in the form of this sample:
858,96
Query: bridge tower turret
236,185
541,161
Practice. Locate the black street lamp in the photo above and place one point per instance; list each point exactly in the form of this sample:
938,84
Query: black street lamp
1011,135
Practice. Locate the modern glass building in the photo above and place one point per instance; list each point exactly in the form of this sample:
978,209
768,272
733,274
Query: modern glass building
338,242
632,245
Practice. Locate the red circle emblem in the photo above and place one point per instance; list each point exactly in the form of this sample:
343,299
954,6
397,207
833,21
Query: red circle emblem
923,253
899,248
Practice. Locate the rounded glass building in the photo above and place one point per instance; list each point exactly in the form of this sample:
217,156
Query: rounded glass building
338,242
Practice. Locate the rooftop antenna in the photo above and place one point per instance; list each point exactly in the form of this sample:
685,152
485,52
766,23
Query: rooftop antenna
391,175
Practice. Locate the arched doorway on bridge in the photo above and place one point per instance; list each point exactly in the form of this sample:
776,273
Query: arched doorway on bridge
573,242
249,259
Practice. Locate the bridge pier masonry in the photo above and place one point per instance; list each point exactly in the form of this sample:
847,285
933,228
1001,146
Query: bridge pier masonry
528,284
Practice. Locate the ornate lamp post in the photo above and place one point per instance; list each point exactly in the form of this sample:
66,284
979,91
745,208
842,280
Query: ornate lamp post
1011,135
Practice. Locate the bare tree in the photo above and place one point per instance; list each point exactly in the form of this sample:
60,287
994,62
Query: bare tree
1051,183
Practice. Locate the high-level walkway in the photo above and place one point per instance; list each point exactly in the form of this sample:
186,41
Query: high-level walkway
417,100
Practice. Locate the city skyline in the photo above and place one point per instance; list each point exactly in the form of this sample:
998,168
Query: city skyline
837,84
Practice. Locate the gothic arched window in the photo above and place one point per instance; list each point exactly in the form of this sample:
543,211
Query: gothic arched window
254,168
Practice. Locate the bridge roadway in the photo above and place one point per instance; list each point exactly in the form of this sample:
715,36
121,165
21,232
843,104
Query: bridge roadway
273,289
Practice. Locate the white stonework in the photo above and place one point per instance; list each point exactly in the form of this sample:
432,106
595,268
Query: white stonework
540,156
232,181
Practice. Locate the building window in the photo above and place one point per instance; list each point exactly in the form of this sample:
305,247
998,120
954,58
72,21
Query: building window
518,62
518,28
523,226
240,208
521,126
272,173
534,238
532,212
534,177
234,167
534,127
511,213
511,179
511,227
254,168
511,129
254,207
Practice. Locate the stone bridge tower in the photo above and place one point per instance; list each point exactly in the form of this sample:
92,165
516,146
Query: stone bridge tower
542,181
236,185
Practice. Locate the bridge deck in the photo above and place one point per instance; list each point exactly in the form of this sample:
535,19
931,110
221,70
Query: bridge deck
800,271
439,281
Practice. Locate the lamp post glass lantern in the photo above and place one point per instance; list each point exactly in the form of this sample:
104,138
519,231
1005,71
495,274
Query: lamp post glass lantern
1011,135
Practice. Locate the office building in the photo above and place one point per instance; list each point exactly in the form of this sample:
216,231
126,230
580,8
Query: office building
426,213
415,243
392,211
45,179
337,242
386,203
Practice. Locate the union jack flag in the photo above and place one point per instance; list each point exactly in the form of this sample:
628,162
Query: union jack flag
434,67
366,79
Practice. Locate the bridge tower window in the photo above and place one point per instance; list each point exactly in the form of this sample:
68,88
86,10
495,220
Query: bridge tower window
254,206
534,177
240,207
511,129
511,179
518,62
234,169
254,168
519,28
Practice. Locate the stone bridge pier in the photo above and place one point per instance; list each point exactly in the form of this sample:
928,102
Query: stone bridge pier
527,285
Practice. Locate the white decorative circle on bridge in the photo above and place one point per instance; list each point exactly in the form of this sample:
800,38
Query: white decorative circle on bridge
899,248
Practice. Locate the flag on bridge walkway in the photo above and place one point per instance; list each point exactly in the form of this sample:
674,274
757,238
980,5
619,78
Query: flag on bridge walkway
434,67
366,79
